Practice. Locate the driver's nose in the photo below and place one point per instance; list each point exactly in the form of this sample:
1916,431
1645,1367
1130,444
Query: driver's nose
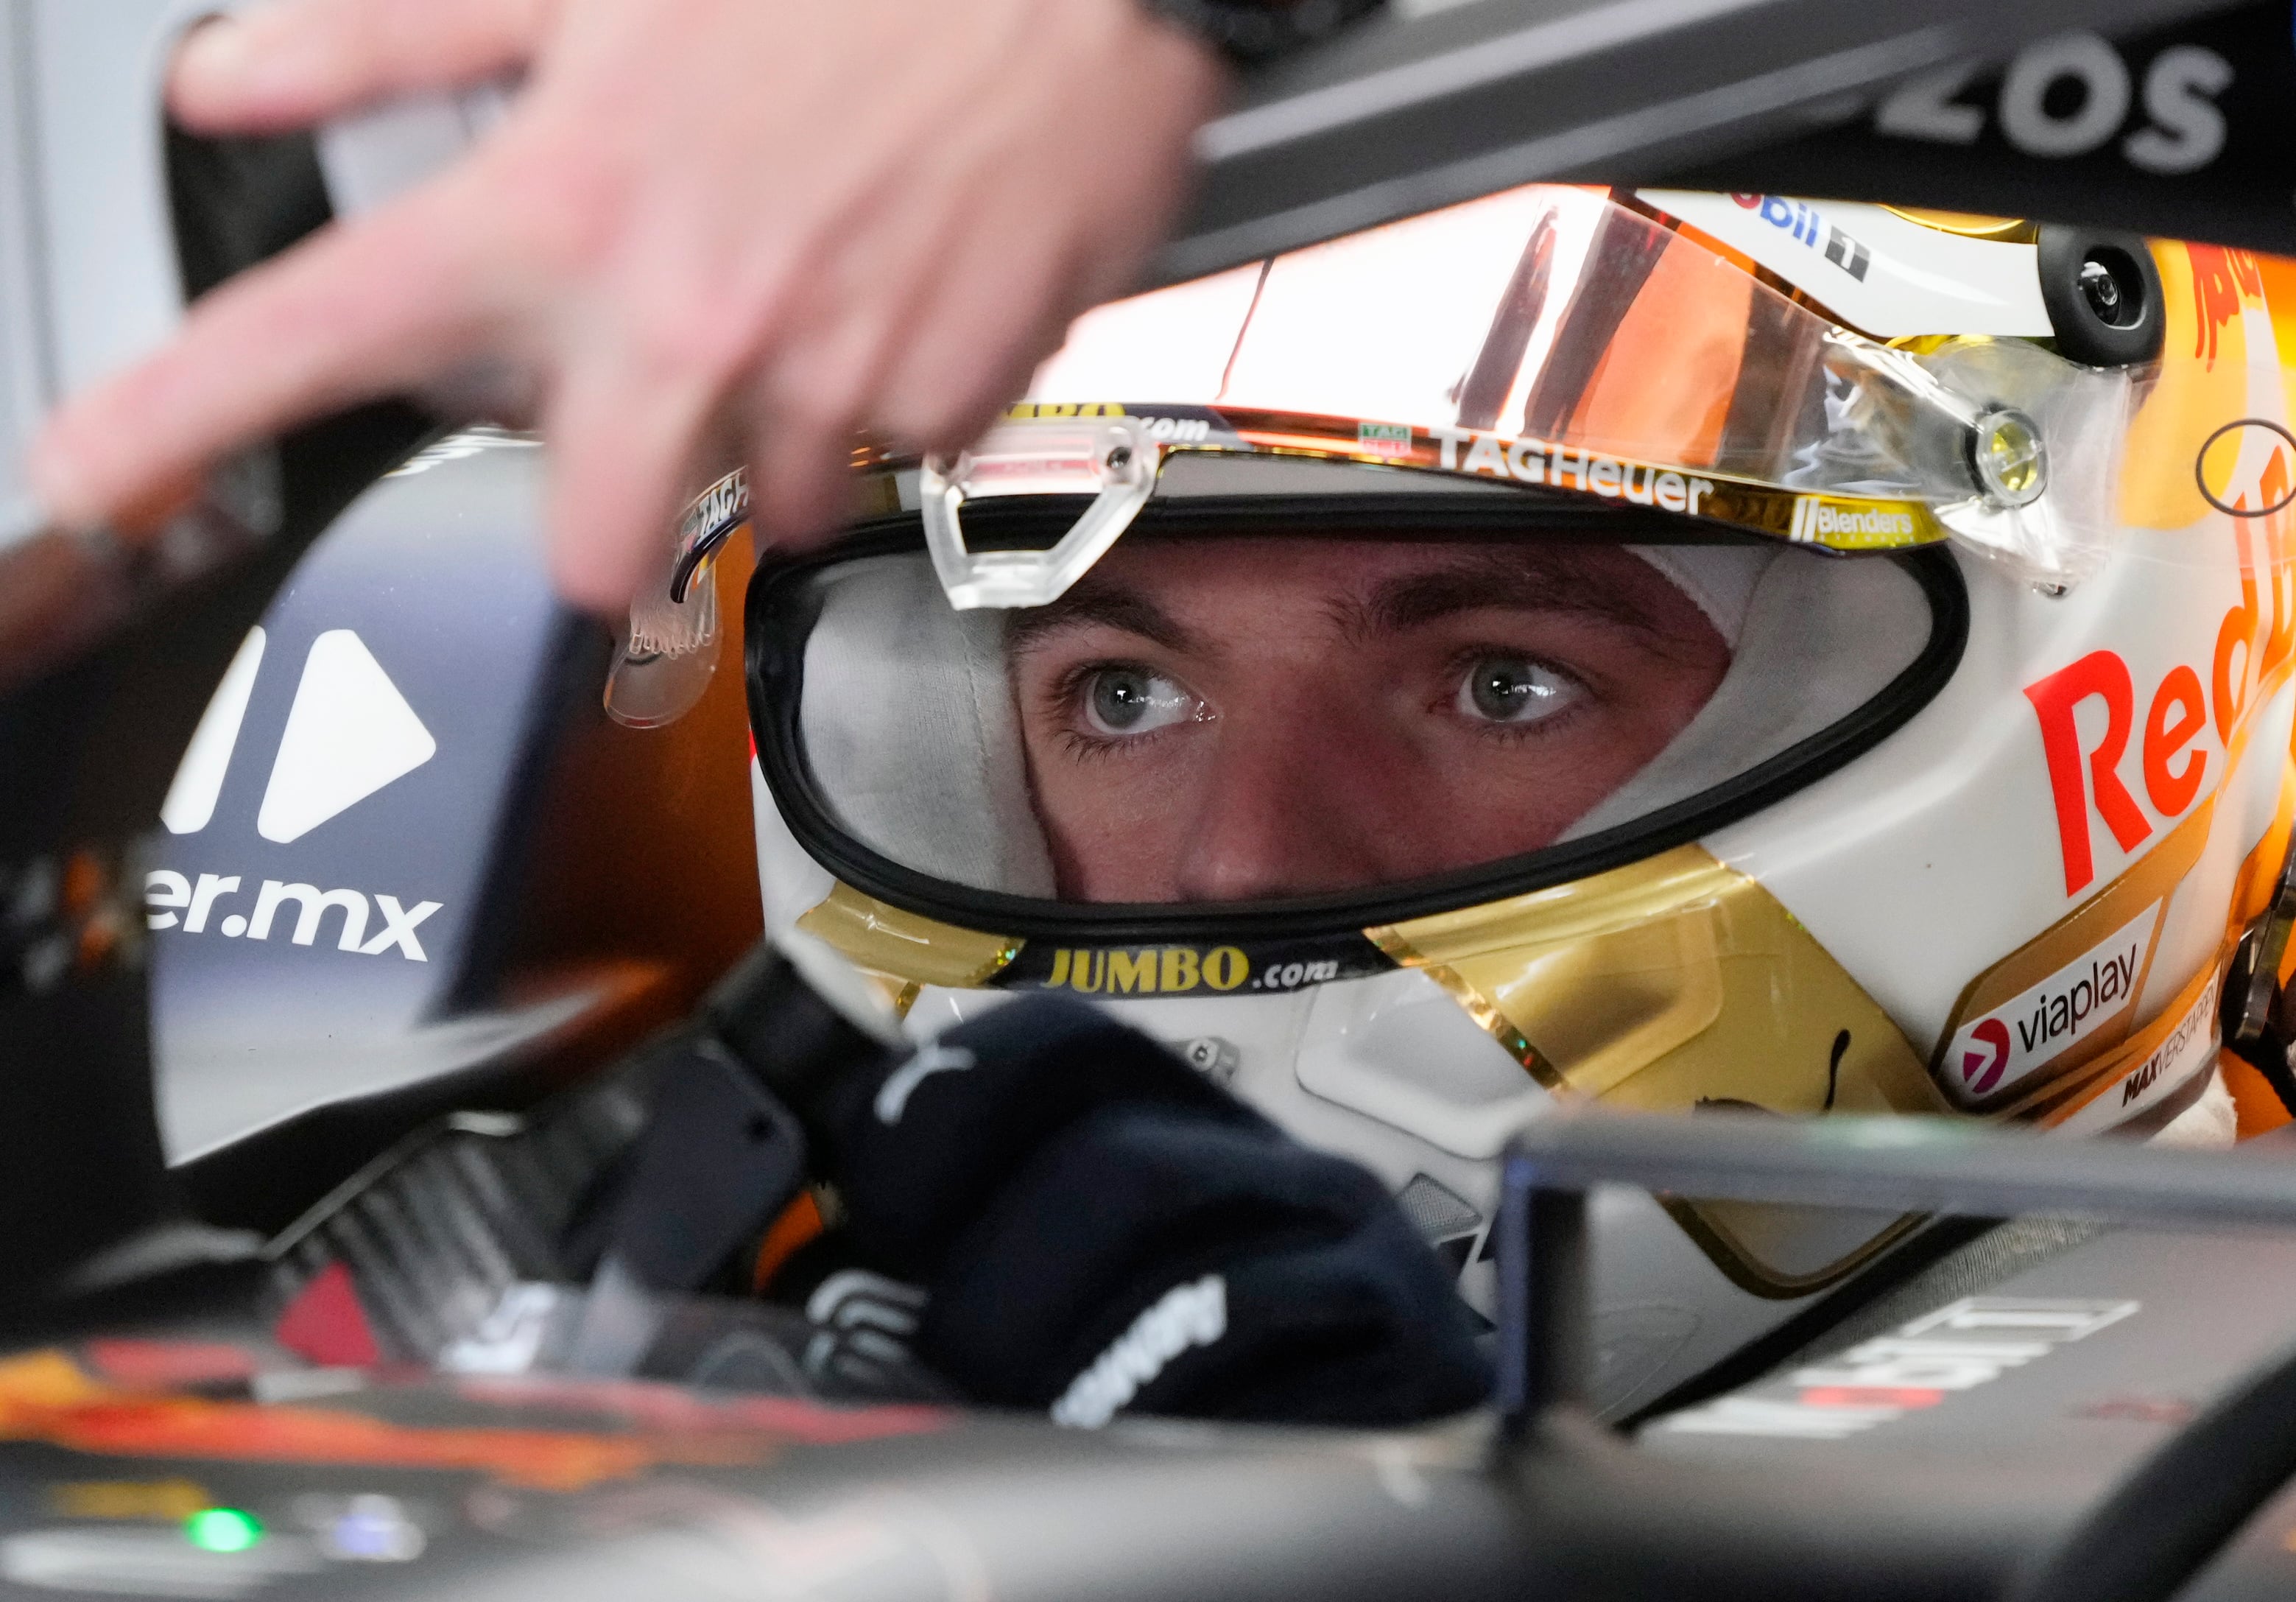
1290,812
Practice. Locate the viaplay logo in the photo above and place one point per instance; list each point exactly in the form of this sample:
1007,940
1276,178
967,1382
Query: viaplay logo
349,733
1982,1072
1993,1051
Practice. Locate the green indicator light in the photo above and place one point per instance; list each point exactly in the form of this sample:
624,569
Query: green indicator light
222,1529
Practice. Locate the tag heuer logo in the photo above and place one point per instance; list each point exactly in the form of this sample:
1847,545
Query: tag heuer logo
1384,438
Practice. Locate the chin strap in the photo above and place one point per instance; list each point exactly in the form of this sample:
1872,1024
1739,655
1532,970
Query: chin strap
2260,1013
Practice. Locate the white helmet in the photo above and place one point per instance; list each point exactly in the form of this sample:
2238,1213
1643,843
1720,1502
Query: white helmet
1686,650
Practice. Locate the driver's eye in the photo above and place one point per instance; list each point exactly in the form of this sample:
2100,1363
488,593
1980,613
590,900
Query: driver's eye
1513,689
1132,701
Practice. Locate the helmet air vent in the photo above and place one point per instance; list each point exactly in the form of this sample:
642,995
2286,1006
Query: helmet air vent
2103,296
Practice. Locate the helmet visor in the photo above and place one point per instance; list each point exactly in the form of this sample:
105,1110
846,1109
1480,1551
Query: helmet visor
1554,336
1318,700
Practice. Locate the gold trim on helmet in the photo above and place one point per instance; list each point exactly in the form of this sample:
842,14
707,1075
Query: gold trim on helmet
1679,985
1666,984
904,949
1834,522
1970,224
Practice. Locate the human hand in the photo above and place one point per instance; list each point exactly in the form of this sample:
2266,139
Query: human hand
783,221
1099,1229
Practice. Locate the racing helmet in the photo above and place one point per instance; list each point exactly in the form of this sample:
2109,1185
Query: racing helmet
1700,653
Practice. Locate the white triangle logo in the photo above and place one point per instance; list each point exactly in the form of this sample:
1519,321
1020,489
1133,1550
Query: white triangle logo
190,801
349,733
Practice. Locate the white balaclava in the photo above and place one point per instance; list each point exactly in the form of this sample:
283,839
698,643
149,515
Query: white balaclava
910,729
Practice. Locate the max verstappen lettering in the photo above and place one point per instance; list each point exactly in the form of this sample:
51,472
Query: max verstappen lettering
2188,1053
2187,1031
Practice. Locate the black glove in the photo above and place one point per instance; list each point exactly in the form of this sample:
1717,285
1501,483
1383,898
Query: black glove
1101,1229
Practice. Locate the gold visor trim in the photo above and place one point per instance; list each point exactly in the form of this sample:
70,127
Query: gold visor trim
1835,522
1844,523
904,949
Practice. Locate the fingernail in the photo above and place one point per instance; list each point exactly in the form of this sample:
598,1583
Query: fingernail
217,54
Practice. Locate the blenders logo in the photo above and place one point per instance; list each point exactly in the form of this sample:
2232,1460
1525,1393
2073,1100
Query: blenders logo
1815,519
1994,1051
1802,221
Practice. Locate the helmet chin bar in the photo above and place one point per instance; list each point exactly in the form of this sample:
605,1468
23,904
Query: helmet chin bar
1111,459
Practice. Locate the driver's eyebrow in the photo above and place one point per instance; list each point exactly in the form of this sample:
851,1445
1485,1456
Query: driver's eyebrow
1517,581
1097,601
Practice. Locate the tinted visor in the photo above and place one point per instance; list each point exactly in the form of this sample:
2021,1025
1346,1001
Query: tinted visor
1554,336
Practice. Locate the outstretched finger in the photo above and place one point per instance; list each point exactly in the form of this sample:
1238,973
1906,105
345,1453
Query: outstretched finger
290,63
800,473
358,312
808,397
996,314
623,434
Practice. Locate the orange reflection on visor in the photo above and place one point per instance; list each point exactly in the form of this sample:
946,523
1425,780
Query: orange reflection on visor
1664,385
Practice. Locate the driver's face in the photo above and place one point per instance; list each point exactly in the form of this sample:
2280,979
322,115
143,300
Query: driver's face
1226,720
